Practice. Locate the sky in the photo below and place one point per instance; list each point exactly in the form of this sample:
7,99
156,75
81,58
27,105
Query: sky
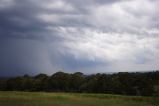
90,36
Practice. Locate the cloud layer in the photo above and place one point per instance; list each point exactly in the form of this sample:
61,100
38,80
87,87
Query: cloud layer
73,35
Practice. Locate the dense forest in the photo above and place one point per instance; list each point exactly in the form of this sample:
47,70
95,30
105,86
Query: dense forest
145,84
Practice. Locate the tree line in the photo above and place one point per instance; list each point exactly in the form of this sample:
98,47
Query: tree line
145,84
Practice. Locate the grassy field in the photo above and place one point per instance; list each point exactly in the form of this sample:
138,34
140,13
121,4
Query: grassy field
73,99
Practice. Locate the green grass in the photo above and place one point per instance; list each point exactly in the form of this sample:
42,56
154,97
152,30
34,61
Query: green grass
73,99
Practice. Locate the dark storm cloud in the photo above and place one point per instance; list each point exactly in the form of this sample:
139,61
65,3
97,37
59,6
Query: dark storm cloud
23,37
19,21
49,35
